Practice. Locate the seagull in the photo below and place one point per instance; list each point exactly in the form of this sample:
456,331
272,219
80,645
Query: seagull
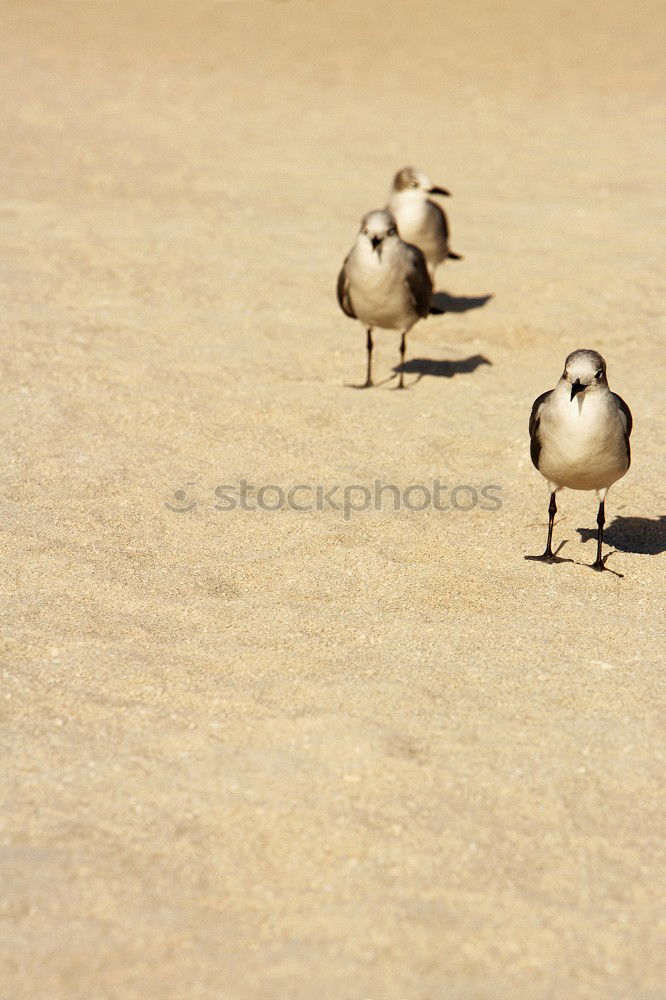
384,282
579,438
420,220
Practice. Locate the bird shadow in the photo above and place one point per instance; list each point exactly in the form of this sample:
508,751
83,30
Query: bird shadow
441,369
643,535
442,302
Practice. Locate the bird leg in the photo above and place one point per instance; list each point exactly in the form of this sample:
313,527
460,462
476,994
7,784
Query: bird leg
552,511
601,520
549,556
369,345
368,379
403,347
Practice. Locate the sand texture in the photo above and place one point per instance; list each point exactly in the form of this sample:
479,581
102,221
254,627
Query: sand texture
253,754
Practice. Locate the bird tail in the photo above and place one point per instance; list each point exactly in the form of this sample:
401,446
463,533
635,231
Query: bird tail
455,256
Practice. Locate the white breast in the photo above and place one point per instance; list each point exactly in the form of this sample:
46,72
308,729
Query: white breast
582,439
420,222
377,287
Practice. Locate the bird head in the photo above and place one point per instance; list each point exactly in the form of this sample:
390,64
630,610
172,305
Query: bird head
414,182
584,371
376,228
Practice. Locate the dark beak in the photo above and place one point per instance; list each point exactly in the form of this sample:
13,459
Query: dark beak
376,242
576,388
438,190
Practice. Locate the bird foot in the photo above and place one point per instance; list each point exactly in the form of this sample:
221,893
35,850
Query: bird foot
365,385
600,566
548,557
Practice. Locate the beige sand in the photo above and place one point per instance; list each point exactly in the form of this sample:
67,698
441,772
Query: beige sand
285,755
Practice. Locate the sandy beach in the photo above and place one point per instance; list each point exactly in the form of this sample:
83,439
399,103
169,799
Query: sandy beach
325,753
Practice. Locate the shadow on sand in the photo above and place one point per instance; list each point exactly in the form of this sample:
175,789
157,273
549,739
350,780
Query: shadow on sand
633,534
442,302
441,369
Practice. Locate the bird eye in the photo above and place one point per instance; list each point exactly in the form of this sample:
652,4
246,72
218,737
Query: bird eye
599,373
413,184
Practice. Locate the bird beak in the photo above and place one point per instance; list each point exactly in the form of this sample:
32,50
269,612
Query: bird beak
577,387
377,244
439,190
